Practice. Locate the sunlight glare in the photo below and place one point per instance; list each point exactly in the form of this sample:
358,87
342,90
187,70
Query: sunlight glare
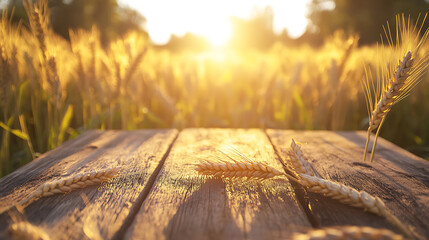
211,19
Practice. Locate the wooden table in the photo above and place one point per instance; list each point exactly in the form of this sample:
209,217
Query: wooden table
159,195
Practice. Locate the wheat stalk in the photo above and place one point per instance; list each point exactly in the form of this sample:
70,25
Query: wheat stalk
348,232
340,192
38,16
344,194
54,79
394,88
4,86
68,184
244,167
390,95
234,169
352,197
134,64
64,185
299,163
26,230
239,166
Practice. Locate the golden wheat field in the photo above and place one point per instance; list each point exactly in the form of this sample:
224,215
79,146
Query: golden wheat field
53,89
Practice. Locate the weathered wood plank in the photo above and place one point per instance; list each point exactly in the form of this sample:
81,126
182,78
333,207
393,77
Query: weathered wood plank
398,177
184,205
94,212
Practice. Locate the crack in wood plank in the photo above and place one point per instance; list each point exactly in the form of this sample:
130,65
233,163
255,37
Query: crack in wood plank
300,192
396,176
185,205
93,212
143,195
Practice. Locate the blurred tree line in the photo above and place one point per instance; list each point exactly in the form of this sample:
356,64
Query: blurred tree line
364,17
110,18
256,32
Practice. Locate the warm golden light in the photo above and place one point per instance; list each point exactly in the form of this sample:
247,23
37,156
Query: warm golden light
217,34
212,19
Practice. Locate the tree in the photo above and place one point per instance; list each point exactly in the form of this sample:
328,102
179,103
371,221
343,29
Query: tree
364,17
111,19
254,33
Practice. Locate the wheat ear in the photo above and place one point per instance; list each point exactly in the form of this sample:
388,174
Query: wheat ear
300,164
352,197
38,22
391,94
64,185
25,230
348,232
239,166
68,184
53,79
134,64
221,168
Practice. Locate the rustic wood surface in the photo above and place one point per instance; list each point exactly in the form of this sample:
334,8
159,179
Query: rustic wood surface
158,194
96,212
184,205
399,178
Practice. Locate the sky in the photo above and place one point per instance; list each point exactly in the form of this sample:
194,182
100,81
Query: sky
211,19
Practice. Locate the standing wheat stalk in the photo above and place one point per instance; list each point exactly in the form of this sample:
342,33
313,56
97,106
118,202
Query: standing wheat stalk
68,184
390,96
392,88
348,232
38,16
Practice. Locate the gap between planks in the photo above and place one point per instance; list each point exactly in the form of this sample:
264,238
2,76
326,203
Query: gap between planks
300,193
238,208
398,177
143,195
80,160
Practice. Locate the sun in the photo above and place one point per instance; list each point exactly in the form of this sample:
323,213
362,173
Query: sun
218,33
211,19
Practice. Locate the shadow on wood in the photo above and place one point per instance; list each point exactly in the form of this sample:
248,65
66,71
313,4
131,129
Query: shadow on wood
94,212
396,176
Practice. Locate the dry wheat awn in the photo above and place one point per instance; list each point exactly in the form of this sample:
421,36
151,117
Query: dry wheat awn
244,167
300,164
239,166
227,169
67,184
390,95
392,88
64,185
39,18
344,194
352,197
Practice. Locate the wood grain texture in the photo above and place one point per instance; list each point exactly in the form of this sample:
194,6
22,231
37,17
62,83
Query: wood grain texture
185,205
398,177
96,212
